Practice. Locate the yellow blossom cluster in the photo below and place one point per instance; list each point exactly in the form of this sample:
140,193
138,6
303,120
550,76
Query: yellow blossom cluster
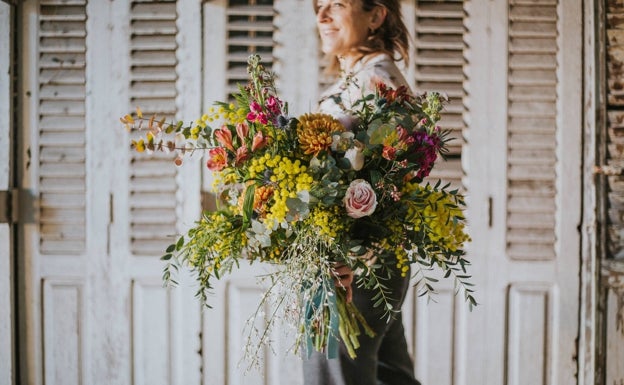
394,242
286,176
327,221
228,114
440,215
208,244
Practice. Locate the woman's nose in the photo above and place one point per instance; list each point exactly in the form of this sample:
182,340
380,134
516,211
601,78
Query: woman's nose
322,14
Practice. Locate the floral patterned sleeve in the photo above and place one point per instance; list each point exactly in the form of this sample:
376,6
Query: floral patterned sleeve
339,98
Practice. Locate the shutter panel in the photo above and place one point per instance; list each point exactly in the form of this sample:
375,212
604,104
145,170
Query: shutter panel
611,197
249,30
439,66
152,87
531,159
61,124
615,131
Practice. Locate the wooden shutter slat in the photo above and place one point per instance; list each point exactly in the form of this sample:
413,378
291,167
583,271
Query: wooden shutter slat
62,2
251,41
249,30
532,130
61,18
152,186
439,60
61,110
61,184
257,26
251,10
242,57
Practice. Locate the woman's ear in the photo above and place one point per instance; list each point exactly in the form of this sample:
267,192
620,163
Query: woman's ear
378,17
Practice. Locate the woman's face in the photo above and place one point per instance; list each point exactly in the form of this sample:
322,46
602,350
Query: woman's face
343,26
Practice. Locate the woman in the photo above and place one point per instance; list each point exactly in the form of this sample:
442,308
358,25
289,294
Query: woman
365,37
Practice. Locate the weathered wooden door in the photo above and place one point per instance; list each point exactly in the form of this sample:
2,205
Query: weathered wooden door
521,164
513,72
96,218
7,369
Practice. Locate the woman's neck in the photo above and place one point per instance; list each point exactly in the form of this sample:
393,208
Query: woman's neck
350,63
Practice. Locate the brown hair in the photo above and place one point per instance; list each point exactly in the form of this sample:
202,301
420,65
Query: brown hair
391,37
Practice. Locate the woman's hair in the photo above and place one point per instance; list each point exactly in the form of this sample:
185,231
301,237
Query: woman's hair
391,37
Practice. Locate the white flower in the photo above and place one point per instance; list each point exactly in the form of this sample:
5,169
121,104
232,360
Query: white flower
355,156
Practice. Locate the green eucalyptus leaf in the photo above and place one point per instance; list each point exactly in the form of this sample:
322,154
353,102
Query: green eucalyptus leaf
248,205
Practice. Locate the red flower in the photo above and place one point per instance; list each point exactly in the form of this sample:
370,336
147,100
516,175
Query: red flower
224,137
256,114
274,105
258,142
242,130
389,153
242,154
217,159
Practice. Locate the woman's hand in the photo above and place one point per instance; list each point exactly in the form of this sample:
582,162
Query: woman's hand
343,278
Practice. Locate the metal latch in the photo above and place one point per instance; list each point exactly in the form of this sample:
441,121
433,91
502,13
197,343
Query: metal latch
609,170
8,206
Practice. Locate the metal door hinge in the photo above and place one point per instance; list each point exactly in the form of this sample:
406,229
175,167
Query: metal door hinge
8,206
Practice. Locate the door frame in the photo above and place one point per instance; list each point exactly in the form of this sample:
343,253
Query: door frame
592,239
8,325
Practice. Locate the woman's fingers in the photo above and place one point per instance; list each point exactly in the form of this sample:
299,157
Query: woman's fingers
343,277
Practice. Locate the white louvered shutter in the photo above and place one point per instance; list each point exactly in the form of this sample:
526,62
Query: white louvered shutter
249,31
439,61
615,143
238,28
524,178
611,210
61,123
54,225
153,186
532,136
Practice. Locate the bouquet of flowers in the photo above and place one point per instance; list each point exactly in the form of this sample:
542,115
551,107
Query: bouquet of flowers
307,193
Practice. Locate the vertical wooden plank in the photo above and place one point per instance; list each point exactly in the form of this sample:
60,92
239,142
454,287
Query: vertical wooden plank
532,334
614,333
296,51
569,188
152,334
6,243
64,339
108,318
438,336
186,350
242,300
594,104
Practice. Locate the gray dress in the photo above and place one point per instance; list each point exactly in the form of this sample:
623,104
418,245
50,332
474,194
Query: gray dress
383,359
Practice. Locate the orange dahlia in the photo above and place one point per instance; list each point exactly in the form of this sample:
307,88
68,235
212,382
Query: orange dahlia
261,198
315,132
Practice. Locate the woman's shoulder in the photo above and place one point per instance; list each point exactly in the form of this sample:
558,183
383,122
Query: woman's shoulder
380,68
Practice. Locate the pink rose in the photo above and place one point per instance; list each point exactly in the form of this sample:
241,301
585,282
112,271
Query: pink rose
360,199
